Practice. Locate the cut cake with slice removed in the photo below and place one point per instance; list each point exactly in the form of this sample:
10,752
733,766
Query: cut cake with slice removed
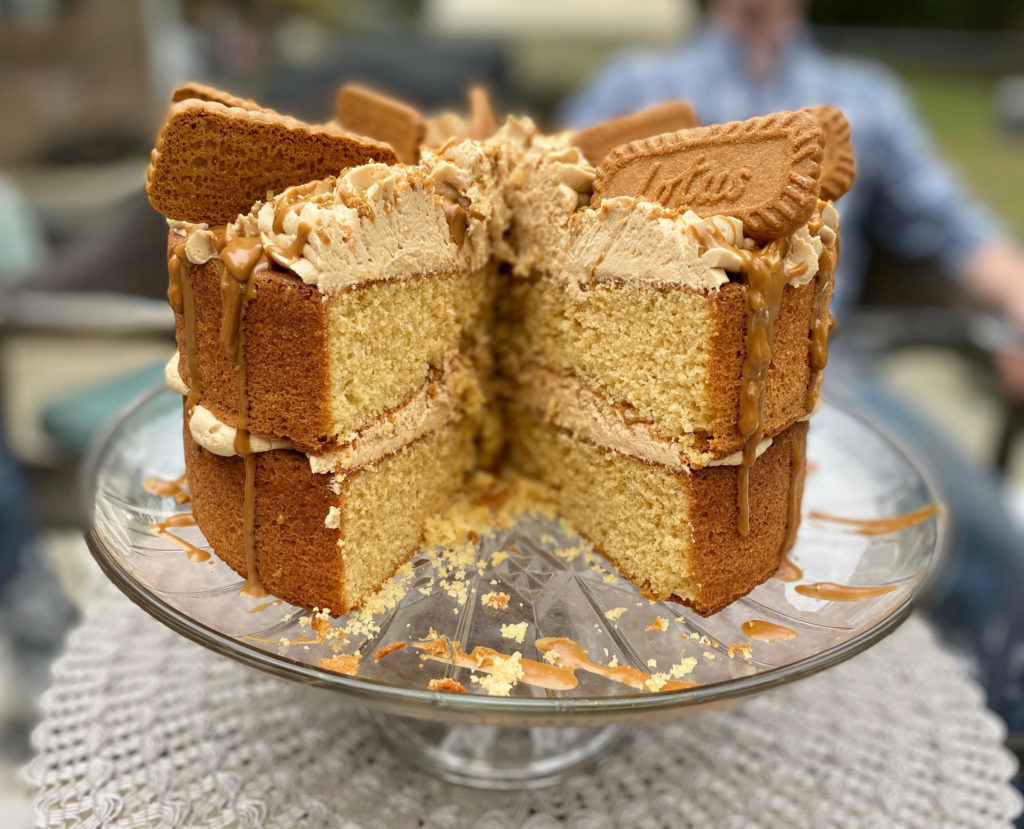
349,347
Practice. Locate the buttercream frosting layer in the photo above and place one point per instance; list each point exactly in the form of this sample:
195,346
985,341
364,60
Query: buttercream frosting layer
448,392
375,222
568,402
630,240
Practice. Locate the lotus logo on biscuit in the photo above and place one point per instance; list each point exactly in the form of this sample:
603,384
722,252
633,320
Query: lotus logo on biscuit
703,185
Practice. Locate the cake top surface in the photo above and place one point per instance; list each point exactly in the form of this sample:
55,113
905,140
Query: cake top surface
680,207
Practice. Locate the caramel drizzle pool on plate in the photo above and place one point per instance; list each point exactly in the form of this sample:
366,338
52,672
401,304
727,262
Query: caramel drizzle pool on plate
571,655
165,488
539,674
181,519
880,526
560,676
832,592
767,631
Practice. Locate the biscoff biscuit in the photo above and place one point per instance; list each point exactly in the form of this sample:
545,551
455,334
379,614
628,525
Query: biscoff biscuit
597,141
837,168
764,171
200,92
482,121
212,162
377,116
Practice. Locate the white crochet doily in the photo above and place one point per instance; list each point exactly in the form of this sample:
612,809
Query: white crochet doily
143,728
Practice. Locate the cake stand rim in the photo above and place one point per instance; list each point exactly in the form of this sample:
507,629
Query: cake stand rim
475,708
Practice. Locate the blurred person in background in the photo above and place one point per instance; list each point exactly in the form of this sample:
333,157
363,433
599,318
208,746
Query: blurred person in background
756,56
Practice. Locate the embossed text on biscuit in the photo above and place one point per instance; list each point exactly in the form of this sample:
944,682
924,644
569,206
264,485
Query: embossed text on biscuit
764,171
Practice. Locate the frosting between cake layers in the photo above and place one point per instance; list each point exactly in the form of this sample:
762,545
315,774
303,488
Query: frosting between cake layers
218,437
447,391
571,404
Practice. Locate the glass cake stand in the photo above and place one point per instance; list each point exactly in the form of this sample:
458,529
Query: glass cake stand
534,736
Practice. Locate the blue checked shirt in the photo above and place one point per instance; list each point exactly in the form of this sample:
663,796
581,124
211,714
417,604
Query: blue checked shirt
905,197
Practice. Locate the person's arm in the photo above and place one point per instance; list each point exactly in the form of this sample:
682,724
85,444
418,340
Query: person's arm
994,271
920,209
923,211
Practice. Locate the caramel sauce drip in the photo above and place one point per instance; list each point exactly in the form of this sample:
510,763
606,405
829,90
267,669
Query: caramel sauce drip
252,588
175,255
168,488
822,324
881,526
183,300
179,519
797,473
841,592
292,200
264,606
182,519
538,674
458,220
572,656
766,279
242,257
767,631
291,254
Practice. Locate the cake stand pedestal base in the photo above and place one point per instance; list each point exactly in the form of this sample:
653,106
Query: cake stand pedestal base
494,756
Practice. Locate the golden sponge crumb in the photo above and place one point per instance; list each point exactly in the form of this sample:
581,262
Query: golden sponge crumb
380,653
643,513
594,334
495,600
387,504
345,663
505,673
515,632
446,684
384,338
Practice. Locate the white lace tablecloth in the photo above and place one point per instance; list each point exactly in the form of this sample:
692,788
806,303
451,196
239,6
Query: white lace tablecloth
143,728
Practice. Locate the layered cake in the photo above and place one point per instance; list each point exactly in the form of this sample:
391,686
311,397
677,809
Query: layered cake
380,304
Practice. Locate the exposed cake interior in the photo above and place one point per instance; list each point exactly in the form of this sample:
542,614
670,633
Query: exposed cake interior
384,506
383,340
616,341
